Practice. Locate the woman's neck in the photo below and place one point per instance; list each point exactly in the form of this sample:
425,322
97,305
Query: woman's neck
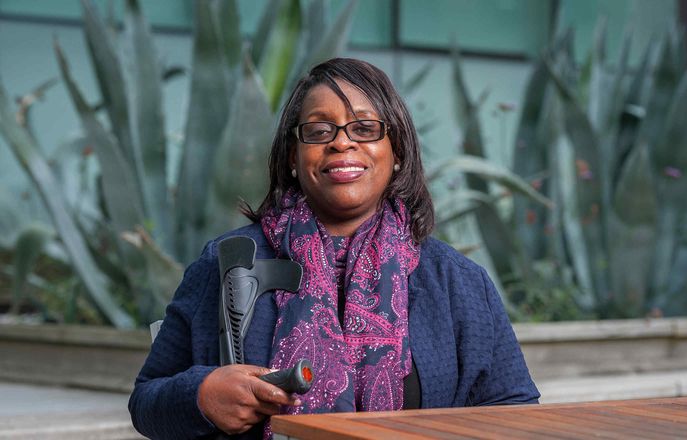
343,227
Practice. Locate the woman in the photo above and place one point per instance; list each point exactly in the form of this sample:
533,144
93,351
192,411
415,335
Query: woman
390,317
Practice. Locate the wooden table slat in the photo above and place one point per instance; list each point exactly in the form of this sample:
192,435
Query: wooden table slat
489,429
618,422
522,423
313,427
475,428
651,419
670,415
430,430
579,428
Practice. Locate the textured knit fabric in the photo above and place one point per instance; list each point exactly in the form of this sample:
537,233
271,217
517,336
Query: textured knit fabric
359,365
461,340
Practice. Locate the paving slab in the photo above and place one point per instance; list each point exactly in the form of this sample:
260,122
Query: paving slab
53,413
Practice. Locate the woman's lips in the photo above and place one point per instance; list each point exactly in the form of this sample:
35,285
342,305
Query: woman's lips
344,172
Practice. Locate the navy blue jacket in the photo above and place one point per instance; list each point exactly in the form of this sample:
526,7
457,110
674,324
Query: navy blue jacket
460,337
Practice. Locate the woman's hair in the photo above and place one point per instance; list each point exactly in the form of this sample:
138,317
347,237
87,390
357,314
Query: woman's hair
408,184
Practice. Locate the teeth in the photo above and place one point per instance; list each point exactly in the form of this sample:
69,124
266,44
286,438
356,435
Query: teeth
345,169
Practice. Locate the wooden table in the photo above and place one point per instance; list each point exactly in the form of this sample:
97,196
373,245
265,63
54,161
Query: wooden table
644,419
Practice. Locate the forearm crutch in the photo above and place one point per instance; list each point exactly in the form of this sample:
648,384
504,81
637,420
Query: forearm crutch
244,279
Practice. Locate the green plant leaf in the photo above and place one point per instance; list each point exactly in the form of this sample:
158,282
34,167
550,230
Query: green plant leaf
262,32
530,158
230,27
670,149
672,299
240,165
633,110
665,81
280,51
507,259
108,70
316,23
416,80
617,88
459,204
589,182
163,273
588,189
148,122
570,217
464,104
632,232
500,243
670,166
489,171
29,156
120,189
12,218
26,103
634,199
29,246
678,46
331,43
211,90
599,81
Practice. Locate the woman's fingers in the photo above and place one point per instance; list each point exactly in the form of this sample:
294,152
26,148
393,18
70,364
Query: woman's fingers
269,393
234,398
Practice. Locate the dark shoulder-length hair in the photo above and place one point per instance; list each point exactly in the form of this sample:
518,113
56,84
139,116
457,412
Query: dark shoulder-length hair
408,184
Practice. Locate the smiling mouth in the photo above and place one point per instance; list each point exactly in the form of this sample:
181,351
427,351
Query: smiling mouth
345,170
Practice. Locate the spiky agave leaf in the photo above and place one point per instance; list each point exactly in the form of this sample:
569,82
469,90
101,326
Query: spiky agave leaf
29,246
281,51
240,165
148,125
212,86
30,157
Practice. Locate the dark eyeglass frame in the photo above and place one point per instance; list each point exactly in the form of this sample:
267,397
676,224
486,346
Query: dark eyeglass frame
298,131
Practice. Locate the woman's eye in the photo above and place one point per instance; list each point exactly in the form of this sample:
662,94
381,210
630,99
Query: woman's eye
318,131
362,130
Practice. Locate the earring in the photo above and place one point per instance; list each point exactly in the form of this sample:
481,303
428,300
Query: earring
294,173
397,167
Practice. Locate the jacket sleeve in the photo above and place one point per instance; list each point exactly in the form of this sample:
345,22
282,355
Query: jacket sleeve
164,404
507,380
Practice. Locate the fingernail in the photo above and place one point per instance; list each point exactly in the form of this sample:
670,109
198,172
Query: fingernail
297,402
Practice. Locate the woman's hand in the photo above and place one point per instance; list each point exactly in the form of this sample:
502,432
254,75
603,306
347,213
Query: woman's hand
234,398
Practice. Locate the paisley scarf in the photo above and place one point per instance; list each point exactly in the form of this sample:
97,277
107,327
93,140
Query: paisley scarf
359,365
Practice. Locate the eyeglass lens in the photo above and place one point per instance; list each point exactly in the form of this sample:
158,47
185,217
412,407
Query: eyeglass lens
359,131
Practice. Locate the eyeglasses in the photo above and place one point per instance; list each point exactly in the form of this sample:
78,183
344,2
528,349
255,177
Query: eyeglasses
363,130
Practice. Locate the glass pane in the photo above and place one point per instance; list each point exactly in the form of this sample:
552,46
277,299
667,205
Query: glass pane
173,13
645,20
371,22
501,26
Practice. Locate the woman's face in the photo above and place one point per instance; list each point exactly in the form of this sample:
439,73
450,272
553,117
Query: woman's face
343,180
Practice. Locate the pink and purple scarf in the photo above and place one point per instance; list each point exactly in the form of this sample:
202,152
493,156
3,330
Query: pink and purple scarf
359,365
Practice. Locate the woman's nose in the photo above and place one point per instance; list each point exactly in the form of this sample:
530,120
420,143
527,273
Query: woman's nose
342,142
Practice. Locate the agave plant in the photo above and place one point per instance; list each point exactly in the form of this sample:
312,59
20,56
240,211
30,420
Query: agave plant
145,229
611,140
606,144
508,258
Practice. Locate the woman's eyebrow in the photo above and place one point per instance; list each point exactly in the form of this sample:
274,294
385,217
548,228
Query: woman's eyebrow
365,112
318,113
359,113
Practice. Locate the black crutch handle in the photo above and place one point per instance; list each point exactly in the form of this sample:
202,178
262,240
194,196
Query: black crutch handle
297,379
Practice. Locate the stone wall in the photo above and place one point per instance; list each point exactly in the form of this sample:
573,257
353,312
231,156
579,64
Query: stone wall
570,361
